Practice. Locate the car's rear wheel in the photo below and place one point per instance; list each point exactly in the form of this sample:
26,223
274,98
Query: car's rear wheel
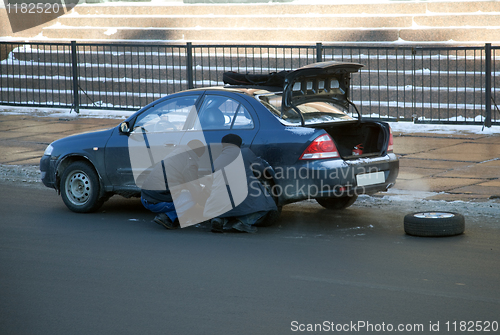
337,203
273,216
80,188
270,218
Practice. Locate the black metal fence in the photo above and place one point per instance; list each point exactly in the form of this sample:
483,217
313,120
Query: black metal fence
424,83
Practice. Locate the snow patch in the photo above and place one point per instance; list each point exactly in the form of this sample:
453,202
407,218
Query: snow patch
110,31
300,131
66,113
410,127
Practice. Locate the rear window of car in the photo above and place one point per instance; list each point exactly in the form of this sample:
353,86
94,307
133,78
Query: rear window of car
313,112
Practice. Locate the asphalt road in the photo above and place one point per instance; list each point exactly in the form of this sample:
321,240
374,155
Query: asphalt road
116,272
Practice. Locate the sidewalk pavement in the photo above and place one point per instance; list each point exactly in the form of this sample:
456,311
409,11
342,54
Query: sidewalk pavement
438,166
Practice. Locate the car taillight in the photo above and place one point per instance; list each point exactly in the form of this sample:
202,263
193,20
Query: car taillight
390,147
322,147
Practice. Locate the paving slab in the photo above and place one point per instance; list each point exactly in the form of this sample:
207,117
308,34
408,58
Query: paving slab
20,125
488,139
17,145
410,172
26,160
42,138
17,155
58,127
463,152
405,145
492,183
479,189
461,197
14,117
24,145
485,170
23,136
433,184
430,163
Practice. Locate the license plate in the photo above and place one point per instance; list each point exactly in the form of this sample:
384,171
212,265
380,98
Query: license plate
370,178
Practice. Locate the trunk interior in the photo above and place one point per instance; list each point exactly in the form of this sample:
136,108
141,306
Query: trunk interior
359,139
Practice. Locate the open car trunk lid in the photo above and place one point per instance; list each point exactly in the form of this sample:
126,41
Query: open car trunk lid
330,82
325,81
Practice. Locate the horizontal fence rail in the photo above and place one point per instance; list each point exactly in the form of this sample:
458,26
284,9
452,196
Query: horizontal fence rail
419,83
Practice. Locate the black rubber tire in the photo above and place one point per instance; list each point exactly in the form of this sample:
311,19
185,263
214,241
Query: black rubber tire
270,218
337,203
80,188
434,224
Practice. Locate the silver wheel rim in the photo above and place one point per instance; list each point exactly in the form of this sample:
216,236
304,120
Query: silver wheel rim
434,215
78,188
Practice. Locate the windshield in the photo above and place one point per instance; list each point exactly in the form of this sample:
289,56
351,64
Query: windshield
313,112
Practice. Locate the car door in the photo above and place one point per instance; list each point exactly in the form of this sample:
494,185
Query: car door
219,115
152,135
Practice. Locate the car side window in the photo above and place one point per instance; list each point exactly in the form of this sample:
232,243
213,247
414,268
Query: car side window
218,113
242,119
168,116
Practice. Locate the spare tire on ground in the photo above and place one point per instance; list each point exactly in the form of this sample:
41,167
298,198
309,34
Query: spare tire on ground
434,224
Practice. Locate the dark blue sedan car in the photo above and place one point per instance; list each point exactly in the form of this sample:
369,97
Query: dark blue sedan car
301,128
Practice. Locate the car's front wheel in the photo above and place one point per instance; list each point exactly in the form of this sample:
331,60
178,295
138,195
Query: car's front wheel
80,188
337,203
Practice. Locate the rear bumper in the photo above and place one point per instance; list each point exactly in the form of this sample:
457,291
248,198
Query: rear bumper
333,178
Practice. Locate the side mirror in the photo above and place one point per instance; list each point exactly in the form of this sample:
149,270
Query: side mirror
124,127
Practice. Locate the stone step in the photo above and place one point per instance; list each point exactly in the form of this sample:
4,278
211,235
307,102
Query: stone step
259,9
366,103
16,76
477,19
236,21
366,88
222,35
111,61
281,21
395,7
277,35
254,59
373,108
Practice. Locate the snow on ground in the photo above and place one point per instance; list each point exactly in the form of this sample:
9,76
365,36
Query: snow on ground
66,113
410,127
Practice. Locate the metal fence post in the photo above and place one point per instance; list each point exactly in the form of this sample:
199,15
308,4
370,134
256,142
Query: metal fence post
319,52
189,64
487,96
74,61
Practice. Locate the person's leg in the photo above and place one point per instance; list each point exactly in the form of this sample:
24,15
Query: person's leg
217,224
251,219
167,215
245,223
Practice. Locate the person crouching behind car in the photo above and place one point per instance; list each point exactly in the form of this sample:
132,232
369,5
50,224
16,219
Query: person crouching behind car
180,168
258,201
